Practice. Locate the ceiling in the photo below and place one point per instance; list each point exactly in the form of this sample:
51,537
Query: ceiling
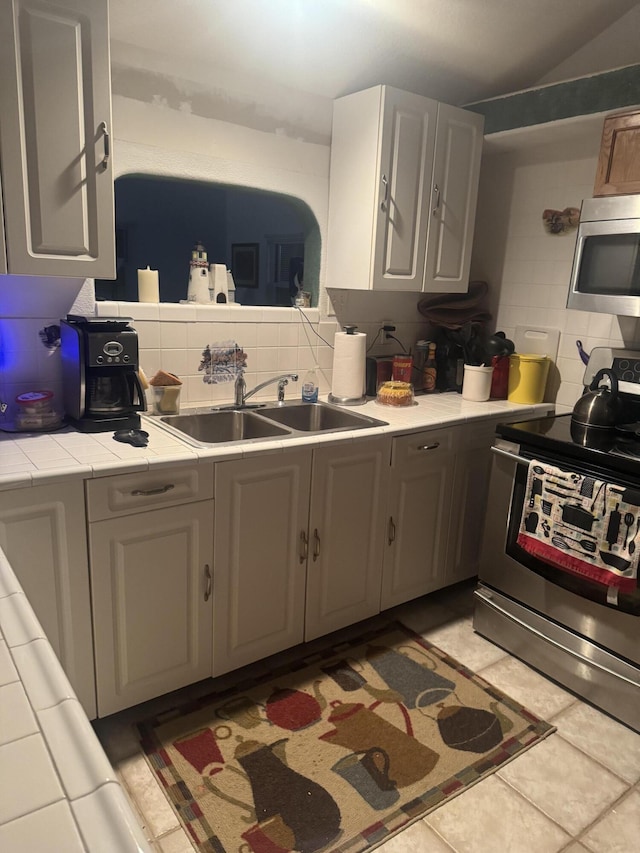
457,51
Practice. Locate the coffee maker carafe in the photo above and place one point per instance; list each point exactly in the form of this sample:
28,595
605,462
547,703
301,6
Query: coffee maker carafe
102,390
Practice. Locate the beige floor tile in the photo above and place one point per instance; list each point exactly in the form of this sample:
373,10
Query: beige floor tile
148,796
619,830
175,842
417,838
459,640
523,684
421,615
564,783
610,742
576,847
493,818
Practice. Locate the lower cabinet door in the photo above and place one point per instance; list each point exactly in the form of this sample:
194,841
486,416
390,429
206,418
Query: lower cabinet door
151,588
42,534
416,559
260,560
346,534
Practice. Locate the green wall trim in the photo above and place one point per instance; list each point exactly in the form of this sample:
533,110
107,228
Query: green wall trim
610,90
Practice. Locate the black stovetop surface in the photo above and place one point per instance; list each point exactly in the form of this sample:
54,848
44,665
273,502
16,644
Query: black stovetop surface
552,436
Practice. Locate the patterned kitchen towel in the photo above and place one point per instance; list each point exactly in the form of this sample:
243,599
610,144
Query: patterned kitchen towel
581,525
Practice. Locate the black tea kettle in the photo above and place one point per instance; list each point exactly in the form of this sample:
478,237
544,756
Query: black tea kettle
598,411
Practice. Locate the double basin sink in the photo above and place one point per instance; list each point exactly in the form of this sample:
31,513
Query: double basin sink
269,420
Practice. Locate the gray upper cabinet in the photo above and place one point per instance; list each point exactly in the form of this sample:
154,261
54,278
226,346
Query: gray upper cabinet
403,190
55,121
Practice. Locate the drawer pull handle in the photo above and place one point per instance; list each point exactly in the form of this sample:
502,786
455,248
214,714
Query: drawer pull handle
436,190
209,583
316,545
304,546
391,531
433,446
161,491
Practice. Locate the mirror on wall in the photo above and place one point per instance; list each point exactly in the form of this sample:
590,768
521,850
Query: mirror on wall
270,242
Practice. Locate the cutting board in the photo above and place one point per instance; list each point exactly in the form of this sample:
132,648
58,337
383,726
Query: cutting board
537,340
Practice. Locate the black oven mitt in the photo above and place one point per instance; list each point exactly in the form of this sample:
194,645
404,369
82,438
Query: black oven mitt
134,437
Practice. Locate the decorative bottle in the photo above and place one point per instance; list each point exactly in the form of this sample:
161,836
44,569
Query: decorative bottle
429,371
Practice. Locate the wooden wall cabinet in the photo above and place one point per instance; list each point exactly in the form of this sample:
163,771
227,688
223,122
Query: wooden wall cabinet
618,170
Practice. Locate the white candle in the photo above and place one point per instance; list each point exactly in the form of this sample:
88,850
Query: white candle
148,286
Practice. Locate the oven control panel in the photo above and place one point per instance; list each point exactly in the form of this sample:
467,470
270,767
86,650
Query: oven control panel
624,363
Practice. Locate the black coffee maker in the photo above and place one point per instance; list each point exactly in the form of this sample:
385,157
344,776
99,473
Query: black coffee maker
101,387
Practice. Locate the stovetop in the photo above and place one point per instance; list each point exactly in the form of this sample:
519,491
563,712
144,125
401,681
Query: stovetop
552,436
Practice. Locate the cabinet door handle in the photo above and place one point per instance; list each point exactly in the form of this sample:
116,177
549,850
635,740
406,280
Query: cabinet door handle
391,531
385,198
436,190
104,130
208,587
316,545
433,446
159,491
304,546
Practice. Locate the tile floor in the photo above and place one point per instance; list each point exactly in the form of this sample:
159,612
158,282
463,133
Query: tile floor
578,791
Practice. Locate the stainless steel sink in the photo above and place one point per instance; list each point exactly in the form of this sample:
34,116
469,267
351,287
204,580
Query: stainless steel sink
317,417
217,427
272,420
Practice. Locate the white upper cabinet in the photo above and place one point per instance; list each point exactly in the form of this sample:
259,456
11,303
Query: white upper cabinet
55,109
403,190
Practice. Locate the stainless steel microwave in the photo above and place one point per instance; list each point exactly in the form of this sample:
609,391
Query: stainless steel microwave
606,265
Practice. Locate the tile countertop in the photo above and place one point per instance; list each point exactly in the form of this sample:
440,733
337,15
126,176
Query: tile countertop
57,788
28,459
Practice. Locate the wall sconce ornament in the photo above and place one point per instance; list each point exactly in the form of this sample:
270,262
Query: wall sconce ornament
561,221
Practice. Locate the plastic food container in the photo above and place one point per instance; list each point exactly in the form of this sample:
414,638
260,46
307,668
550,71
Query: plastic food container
527,377
35,411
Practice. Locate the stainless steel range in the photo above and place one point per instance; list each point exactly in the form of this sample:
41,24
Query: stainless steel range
558,581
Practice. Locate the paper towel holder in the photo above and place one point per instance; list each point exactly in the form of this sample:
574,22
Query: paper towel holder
348,401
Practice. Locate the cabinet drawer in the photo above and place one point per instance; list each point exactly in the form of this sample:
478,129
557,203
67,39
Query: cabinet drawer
423,444
108,497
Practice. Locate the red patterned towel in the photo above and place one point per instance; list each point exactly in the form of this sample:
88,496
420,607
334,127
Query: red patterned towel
581,525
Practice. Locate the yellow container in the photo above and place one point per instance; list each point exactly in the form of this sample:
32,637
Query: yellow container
527,377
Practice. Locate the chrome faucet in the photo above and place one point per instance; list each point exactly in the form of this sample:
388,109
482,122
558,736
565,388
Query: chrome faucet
242,395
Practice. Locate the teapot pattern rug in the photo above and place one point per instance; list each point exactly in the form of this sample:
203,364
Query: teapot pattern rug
334,753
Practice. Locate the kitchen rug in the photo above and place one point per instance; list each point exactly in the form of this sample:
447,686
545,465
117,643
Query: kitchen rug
335,752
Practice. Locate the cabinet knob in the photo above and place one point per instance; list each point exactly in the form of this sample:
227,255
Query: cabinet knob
208,587
304,546
391,532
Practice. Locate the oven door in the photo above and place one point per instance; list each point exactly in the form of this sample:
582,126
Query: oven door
576,603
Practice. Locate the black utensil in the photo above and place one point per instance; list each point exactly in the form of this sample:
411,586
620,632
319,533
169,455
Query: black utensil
578,516
531,522
614,560
586,487
561,542
632,544
613,528
628,520
546,507
536,489
557,494
631,496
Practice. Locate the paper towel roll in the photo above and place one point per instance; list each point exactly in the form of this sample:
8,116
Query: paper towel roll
349,356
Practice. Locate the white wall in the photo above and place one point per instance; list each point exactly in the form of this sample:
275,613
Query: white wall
529,269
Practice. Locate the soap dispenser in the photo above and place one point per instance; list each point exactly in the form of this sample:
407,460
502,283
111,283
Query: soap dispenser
310,386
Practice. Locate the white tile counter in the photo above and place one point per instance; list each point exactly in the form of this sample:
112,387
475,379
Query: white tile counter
58,791
35,458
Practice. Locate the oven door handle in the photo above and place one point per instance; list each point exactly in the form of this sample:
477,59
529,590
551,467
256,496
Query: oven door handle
513,456
486,596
